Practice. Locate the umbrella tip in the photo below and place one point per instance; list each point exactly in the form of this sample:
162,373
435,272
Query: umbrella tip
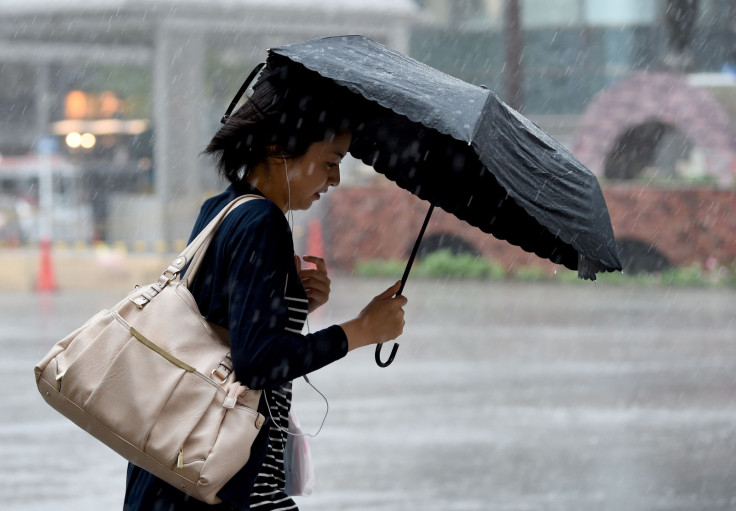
587,268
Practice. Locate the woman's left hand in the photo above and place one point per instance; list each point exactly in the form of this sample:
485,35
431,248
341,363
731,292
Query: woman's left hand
315,281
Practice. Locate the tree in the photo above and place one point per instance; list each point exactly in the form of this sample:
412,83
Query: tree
680,18
513,77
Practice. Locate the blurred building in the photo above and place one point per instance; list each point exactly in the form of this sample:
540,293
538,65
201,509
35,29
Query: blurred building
570,50
131,90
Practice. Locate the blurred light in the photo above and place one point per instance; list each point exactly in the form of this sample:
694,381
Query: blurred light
101,126
76,105
110,105
74,140
88,140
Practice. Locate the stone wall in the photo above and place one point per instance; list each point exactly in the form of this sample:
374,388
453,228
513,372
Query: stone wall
686,225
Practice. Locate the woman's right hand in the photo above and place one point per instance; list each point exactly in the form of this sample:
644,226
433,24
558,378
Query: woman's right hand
380,321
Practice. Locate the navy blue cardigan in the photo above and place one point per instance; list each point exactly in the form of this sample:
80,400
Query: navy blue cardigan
241,286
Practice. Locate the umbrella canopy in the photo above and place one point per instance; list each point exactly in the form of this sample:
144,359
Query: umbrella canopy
460,147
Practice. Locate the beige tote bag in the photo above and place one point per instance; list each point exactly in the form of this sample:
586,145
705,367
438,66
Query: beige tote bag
153,380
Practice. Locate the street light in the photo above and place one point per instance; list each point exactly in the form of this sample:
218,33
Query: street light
76,140
88,141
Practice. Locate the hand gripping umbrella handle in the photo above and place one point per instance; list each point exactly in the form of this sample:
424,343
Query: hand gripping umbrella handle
413,255
395,347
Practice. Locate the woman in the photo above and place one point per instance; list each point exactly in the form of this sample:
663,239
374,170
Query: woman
284,144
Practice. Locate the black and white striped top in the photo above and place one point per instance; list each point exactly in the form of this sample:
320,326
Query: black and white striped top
268,490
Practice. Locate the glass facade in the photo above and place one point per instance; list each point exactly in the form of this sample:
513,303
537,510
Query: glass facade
572,49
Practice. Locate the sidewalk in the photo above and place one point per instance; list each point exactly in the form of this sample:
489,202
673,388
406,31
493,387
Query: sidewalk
504,396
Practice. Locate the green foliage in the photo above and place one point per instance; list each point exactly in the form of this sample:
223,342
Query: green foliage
692,275
687,276
530,273
444,264
677,181
440,264
380,268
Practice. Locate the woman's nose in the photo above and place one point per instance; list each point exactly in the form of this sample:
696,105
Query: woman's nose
334,178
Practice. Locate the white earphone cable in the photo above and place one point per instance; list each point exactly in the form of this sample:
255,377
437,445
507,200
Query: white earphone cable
324,418
289,212
290,217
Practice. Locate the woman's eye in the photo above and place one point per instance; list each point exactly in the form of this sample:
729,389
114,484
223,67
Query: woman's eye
331,165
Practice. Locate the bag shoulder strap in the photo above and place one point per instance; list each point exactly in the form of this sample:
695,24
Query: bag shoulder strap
192,255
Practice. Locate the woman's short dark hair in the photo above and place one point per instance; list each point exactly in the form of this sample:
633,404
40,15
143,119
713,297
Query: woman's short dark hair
289,109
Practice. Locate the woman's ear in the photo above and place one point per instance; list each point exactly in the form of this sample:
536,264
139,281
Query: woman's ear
276,151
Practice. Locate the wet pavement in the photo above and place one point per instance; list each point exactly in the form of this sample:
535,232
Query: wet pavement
504,396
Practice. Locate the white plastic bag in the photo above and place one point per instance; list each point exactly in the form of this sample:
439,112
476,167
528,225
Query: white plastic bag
298,461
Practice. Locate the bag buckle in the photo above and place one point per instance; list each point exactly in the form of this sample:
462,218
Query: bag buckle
217,376
166,277
220,373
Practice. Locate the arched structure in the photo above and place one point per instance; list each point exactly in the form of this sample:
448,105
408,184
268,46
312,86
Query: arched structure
641,257
652,150
444,241
646,106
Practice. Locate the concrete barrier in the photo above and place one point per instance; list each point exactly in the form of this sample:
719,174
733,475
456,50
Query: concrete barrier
82,267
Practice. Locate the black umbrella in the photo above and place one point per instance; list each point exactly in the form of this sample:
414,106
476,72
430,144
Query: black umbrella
461,148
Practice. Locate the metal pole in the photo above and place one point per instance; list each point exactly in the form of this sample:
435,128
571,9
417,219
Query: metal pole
161,73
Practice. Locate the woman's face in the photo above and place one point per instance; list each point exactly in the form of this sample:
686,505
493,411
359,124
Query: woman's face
312,173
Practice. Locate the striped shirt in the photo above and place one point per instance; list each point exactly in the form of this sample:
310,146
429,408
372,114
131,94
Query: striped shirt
268,490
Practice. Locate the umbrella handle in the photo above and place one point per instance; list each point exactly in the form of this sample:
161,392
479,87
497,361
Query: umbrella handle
401,289
390,357
395,347
240,93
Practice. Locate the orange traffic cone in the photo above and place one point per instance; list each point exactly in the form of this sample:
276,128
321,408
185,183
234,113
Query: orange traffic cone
46,280
315,242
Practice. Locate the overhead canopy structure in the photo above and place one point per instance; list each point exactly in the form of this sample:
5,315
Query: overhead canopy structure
172,38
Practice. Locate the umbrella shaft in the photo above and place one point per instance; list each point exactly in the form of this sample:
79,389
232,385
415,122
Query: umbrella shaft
415,249
401,288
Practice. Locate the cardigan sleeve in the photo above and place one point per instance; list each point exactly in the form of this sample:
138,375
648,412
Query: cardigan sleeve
260,258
